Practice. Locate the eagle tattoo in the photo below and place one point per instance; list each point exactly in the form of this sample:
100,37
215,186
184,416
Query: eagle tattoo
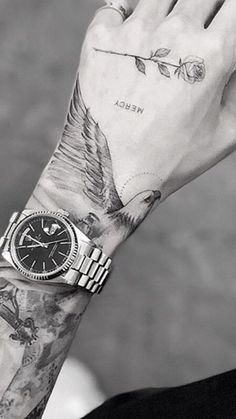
82,164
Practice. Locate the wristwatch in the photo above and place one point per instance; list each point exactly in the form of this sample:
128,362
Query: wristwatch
47,247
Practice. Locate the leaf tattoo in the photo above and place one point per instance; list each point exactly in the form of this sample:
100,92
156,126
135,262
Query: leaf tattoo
161,52
140,65
164,70
191,69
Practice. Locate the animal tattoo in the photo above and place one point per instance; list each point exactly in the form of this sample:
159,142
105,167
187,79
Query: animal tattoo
82,163
78,178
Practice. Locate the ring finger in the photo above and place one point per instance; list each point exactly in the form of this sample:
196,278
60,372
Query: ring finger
153,10
196,10
113,13
225,21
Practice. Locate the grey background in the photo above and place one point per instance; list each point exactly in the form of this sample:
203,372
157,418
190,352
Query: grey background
168,315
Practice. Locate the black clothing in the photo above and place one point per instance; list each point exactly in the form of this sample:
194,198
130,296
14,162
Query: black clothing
213,398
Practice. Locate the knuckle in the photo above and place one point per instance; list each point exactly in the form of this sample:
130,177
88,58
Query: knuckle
179,23
216,45
135,27
220,53
97,32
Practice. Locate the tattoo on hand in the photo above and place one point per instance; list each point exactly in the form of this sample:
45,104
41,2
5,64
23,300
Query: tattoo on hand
191,69
44,324
82,164
129,107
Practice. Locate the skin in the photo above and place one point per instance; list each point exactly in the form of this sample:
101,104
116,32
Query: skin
112,167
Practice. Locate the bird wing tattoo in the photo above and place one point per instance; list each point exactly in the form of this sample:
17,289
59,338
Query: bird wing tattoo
85,147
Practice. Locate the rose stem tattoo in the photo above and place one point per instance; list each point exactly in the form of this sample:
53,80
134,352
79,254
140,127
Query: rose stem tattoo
37,323
192,69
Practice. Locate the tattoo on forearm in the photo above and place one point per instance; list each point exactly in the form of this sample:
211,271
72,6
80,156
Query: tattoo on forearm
39,409
191,69
79,178
82,164
25,330
44,324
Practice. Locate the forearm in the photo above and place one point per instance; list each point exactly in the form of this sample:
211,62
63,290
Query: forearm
37,328
38,323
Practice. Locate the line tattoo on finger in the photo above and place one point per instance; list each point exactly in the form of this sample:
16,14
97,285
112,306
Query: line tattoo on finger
191,69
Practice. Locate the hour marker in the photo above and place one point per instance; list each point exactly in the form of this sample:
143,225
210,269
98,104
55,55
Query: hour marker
42,223
33,264
61,232
65,242
54,262
63,254
32,228
24,258
44,266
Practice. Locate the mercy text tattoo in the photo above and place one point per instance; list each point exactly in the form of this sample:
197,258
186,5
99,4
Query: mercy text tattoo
191,69
129,107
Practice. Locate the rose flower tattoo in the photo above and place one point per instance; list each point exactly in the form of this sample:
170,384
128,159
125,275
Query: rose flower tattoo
192,69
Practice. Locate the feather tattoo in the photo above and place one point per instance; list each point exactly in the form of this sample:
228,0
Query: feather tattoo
82,163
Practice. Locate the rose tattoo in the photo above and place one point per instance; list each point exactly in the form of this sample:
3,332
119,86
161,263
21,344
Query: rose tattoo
192,69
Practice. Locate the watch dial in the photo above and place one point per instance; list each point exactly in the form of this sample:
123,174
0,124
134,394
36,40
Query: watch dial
42,244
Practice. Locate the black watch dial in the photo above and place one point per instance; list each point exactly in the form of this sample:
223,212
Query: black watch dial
42,244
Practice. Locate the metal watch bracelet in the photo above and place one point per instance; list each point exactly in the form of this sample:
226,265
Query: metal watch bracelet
89,270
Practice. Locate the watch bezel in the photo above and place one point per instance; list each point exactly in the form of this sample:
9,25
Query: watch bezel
58,271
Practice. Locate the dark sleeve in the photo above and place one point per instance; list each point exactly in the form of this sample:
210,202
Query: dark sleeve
213,398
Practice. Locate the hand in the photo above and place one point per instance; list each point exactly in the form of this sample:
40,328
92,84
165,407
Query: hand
39,245
55,241
36,241
184,128
29,247
149,113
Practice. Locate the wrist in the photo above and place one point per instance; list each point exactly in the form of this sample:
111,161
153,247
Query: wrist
96,225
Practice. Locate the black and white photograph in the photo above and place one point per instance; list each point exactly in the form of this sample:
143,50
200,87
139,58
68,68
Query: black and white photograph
117,215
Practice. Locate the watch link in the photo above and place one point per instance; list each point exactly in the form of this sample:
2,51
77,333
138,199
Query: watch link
47,247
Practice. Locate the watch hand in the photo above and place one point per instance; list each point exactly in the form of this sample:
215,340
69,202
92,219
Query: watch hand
36,241
30,246
56,241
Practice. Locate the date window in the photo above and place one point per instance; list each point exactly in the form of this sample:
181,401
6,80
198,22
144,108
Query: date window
51,228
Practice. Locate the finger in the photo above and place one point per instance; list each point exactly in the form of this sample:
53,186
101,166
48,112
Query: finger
113,13
199,10
227,121
153,10
225,20
229,97
226,132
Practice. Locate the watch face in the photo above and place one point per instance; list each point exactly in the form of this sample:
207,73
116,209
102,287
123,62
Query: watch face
43,245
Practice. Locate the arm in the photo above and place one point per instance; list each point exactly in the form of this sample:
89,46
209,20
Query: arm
118,158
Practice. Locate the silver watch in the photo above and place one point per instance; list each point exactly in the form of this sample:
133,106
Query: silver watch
47,247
